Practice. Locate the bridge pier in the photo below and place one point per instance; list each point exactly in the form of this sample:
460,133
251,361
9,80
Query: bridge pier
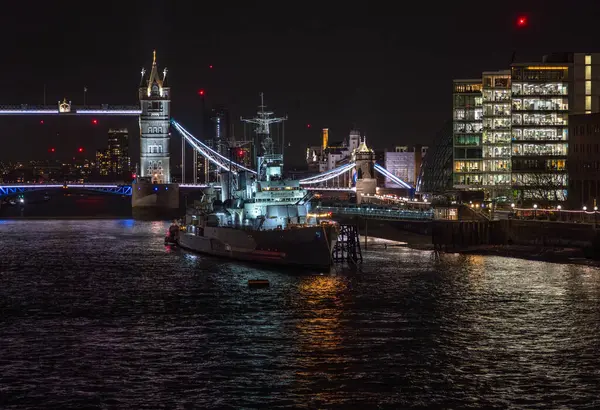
154,201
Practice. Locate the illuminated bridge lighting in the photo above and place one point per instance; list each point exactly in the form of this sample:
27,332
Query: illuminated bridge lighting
108,112
104,110
391,176
28,112
199,186
9,189
316,188
326,176
208,153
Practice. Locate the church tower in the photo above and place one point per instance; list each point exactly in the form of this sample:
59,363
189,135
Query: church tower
155,102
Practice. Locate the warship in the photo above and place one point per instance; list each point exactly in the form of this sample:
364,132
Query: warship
259,215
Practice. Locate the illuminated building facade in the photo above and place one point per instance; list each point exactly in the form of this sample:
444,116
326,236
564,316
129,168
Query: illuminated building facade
540,111
155,102
467,130
524,159
405,163
330,154
496,137
118,153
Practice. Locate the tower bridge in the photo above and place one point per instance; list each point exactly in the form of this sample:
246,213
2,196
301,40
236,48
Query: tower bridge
153,189
64,108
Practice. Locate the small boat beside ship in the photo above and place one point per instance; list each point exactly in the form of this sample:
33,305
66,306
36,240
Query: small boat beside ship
259,216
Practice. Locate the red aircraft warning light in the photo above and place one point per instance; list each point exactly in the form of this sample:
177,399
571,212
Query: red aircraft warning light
52,150
201,92
42,122
307,125
95,121
210,66
80,149
522,21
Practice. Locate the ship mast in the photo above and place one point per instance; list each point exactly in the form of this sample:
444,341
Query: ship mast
266,155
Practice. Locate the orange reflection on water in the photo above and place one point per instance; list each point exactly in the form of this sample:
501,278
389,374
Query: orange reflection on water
318,330
321,334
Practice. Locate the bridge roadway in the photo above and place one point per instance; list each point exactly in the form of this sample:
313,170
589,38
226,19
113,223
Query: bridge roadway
118,189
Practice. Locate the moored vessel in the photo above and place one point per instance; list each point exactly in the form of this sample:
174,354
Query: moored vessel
259,215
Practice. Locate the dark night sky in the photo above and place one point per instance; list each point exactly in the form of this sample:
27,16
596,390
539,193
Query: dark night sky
388,71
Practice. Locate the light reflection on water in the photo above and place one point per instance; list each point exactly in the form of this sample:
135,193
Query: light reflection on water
101,313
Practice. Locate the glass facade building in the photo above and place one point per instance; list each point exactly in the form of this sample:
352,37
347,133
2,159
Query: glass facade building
467,129
512,142
540,111
496,136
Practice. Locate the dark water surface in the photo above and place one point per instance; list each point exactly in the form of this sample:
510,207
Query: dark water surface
99,314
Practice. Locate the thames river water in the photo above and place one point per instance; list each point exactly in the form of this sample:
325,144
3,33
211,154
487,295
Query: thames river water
100,314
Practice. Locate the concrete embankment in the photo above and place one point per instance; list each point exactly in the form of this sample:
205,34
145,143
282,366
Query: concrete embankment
552,241
534,240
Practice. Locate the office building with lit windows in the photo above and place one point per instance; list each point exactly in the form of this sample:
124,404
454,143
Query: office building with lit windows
467,128
102,162
496,138
524,159
118,154
543,96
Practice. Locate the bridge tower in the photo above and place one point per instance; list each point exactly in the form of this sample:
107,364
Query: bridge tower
155,102
153,194
366,181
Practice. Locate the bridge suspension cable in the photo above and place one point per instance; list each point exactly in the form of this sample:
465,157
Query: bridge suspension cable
391,176
213,156
326,176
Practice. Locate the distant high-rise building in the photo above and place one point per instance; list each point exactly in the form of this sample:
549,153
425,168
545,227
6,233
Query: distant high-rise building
118,153
220,123
103,162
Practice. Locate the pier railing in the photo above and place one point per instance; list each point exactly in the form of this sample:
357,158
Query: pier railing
379,213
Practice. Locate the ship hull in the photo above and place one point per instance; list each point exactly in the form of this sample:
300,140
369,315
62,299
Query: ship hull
308,247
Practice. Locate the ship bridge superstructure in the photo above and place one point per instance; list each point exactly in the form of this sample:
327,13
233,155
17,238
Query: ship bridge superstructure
268,154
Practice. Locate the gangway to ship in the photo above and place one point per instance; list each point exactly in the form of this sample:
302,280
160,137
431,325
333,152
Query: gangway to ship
306,198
